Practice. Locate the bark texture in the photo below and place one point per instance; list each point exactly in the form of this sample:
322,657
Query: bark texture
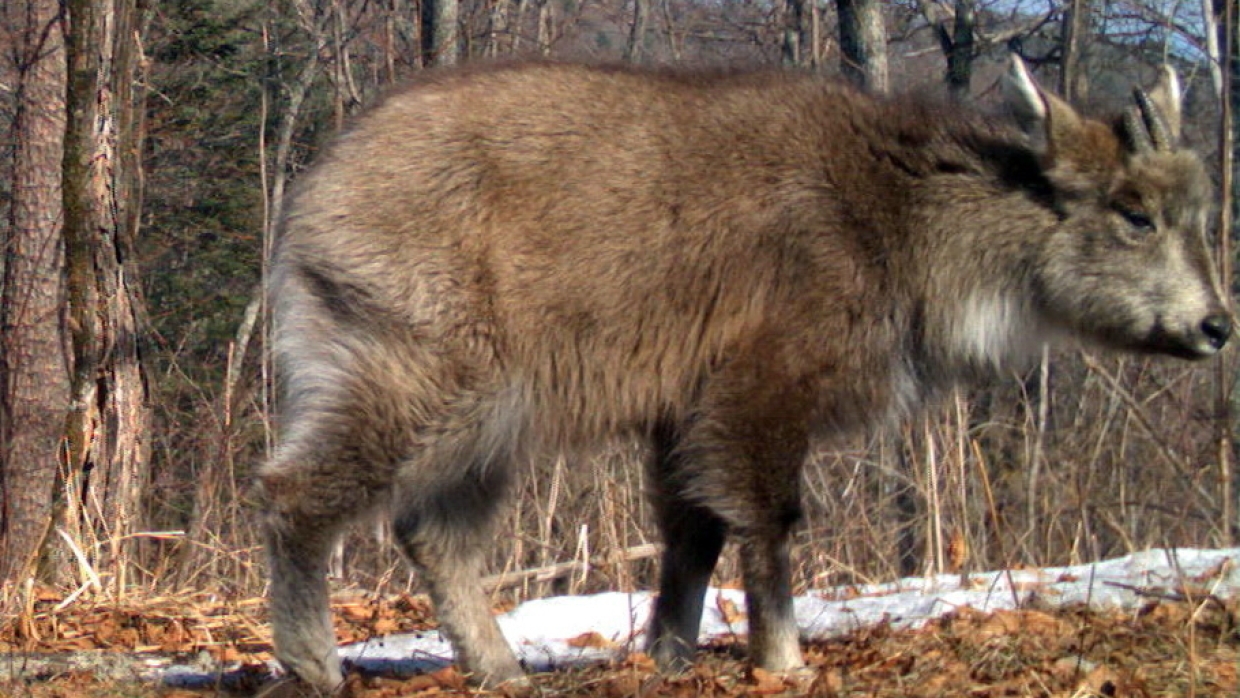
34,383
863,43
107,430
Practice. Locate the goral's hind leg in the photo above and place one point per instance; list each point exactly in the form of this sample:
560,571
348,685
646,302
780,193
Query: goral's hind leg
445,526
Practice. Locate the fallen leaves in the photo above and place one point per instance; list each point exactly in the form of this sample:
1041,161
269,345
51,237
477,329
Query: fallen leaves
590,640
229,630
1168,647
1007,623
729,611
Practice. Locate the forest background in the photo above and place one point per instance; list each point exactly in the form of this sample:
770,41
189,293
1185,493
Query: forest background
147,147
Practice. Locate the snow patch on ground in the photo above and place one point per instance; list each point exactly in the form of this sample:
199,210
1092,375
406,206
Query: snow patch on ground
550,633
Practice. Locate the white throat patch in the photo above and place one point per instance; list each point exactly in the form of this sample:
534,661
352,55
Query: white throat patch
993,330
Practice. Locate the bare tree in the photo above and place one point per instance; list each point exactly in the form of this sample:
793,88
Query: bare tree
34,378
635,48
793,47
498,27
546,26
1213,16
1222,19
108,428
956,31
1071,79
863,43
441,32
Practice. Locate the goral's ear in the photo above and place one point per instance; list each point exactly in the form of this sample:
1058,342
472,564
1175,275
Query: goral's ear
1045,117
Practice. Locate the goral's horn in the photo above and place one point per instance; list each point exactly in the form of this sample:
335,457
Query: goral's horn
1154,120
1134,124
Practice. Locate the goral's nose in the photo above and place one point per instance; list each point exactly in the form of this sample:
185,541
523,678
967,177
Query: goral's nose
1217,329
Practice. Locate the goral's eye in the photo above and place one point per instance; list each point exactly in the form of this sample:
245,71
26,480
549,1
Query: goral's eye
1138,219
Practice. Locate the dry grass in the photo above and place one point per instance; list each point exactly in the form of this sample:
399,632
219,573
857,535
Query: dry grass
1095,459
1123,455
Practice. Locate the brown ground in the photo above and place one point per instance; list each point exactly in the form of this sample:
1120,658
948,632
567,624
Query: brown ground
1167,648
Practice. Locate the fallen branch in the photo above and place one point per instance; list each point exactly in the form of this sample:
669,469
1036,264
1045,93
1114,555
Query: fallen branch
547,573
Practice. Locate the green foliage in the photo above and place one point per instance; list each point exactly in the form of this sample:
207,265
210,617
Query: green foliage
202,242
200,251
197,29
218,75
202,233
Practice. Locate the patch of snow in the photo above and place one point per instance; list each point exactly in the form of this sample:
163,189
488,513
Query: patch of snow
541,632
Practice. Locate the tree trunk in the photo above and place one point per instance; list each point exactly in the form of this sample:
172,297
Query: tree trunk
863,43
815,35
1071,81
517,24
1213,14
956,33
498,27
546,27
793,48
34,378
441,35
1225,379
107,430
635,48
960,51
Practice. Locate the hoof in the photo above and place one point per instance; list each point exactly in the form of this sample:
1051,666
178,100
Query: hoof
520,687
672,656
498,679
293,687
793,682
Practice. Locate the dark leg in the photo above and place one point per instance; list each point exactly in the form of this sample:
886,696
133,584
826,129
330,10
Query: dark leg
693,537
741,459
765,566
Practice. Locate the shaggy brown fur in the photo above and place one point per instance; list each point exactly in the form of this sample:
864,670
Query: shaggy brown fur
497,265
